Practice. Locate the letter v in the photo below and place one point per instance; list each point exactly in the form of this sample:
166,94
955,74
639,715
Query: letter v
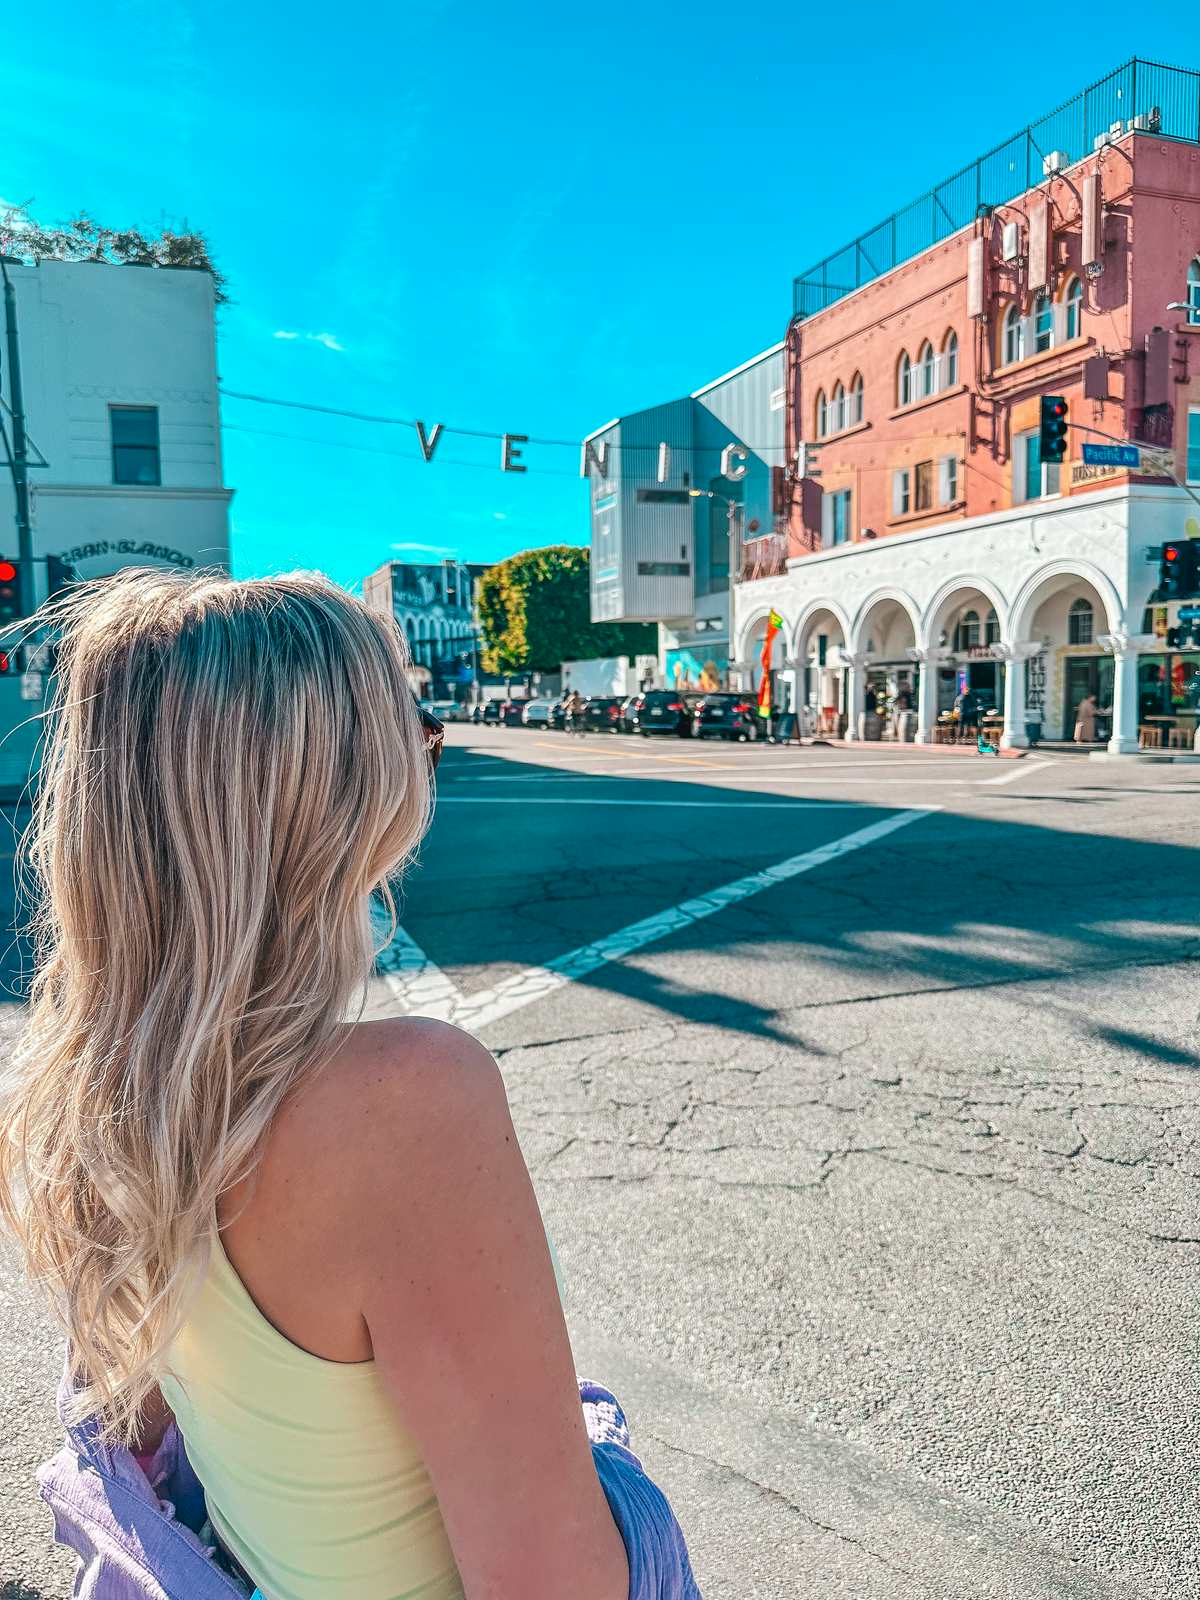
428,443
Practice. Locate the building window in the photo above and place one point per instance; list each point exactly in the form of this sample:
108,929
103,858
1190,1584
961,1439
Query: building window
1073,300
904,383
856,398
1014,336
1043,323
950,360
1080,620
822,414
664,497
902,491
663,569
923,484
135,444
947,480
1193,445
968,630
1032,480
991,628
835,518
838,409
1193,292
928,370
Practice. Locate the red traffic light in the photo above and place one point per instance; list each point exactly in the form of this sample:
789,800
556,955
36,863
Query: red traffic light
1170,552
1056,408
7,572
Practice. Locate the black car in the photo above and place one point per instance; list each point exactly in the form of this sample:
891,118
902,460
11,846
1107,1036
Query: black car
666,711
512,713
558,714
492,711
602,714
727,716
630,707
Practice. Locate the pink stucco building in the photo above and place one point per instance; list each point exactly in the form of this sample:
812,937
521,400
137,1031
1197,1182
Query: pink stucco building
935,550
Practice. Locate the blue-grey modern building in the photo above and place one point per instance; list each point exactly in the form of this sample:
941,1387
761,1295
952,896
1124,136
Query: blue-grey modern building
679,495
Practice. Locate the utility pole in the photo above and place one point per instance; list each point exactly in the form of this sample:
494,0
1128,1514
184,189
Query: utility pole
20,457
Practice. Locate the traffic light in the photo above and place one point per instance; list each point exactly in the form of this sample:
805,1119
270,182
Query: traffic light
1052,434
10,594
1178,569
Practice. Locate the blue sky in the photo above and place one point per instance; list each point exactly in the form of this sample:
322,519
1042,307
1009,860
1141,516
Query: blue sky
503,216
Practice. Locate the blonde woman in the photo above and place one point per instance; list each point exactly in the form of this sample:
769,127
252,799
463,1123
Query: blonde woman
315,1241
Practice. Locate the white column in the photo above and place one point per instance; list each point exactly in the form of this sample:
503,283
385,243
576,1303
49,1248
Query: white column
856,688
928,661
1015,653
1125,647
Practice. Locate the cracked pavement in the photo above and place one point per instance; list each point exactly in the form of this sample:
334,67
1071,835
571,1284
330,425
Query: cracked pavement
875,1194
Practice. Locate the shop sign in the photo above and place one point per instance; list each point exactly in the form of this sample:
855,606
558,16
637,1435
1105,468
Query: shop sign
1035,688
1082,472
979,652
1161,622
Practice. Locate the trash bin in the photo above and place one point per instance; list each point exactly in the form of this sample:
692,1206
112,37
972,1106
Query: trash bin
906,726
869,725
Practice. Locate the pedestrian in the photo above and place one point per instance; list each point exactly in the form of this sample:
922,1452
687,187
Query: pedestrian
967,706
252,1213
1086,713
574,708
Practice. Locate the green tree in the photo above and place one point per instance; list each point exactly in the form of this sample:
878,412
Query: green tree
83,239
535,613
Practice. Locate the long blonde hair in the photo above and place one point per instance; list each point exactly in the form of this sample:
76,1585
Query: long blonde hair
232,768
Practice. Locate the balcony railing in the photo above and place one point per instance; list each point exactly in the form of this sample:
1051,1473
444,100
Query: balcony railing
1160,99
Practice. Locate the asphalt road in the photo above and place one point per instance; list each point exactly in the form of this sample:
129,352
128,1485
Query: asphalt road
860,1091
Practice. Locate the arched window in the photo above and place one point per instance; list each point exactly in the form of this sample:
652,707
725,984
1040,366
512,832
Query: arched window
1014,335
928,368
822,415
1043,323
950,360
838,409
991,628
904,383
1080,622
968,630
1193,292
1073,300
855,410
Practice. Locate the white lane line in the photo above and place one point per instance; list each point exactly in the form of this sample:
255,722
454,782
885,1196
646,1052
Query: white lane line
523,988
770,773
417,983
782,804
1020,769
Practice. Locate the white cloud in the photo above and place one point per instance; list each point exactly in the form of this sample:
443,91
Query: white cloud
424,549
500,516
329,340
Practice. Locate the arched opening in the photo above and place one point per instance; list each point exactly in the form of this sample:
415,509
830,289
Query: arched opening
965,628
886,633
822,414
1067,615
821,687
838,409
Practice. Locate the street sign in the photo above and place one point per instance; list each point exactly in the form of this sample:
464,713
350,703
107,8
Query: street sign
1111,455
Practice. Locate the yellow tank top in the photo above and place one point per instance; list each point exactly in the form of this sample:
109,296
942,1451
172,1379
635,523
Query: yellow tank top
312,1482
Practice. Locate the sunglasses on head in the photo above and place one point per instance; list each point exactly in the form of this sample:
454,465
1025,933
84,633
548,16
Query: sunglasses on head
435,734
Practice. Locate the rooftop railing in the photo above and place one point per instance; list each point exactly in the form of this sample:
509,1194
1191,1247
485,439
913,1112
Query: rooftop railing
1139,95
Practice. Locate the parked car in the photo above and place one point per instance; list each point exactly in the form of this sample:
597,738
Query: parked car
448,710
537,713
512,712
629,713
558,714
666,711
727,716
602,714
493,711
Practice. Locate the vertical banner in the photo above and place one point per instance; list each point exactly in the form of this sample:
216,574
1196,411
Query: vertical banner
1035,688
774,623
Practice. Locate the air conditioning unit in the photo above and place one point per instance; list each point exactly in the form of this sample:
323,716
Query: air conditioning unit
1054,162
1101,140
1116,128
1146,121
1010,242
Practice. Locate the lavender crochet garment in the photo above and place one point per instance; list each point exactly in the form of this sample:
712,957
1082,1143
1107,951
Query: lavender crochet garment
144,1536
